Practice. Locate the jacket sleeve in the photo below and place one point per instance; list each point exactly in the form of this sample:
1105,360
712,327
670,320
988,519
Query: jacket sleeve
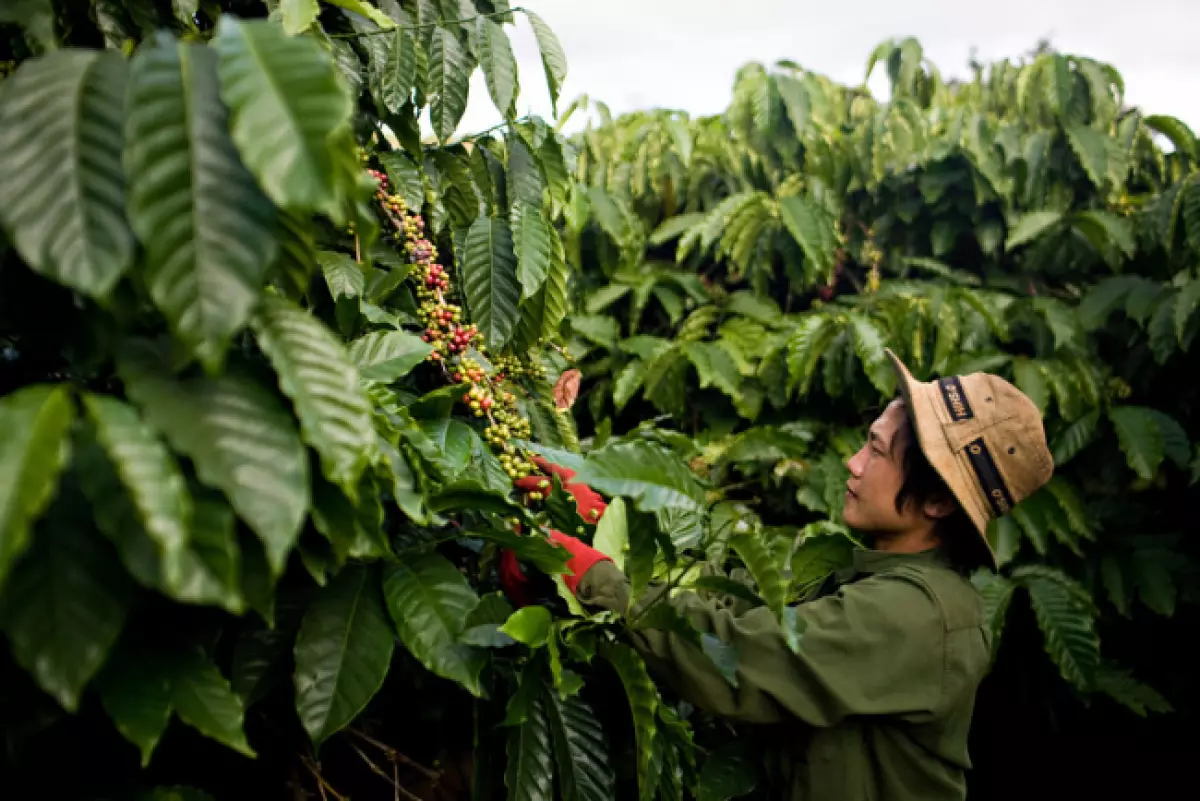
874,648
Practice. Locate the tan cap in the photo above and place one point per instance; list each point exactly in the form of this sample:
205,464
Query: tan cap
983,436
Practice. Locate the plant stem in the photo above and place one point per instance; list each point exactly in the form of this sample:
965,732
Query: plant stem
394,754
379,772
393,29
322,785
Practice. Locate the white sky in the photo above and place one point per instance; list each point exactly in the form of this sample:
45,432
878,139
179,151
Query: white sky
683,53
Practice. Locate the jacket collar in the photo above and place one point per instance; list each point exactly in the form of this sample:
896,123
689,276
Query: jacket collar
867,562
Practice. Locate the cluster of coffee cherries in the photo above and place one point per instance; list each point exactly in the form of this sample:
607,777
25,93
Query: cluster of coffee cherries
453,339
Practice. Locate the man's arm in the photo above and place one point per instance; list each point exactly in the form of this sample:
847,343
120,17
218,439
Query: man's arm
874,648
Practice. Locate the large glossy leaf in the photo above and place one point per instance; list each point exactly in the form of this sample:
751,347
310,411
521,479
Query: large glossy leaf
650,476
319,376
612,533
1031,226
286,102
530,772
343,275
996,591
729,772
490,279
763,565
449,79
1065,618
1074,438
714,367
203,699
33,452
1099,154
429,601
533,244
400,70
584,773
1122,687
61,136
554,60
150,477
805,347
643,703
135,689
499,64
65,606
204,223
1140,438
385,356
812,228
342,652
240,439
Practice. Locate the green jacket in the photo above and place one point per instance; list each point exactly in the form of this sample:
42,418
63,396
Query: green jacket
876,704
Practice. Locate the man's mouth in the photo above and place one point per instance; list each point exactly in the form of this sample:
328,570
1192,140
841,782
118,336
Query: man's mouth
850,493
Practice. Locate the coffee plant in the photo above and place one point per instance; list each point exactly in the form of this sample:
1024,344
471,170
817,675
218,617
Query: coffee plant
278,373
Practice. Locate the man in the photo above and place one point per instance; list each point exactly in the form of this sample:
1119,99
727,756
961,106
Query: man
876,701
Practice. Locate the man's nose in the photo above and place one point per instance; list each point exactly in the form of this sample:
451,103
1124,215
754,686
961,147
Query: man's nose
856,463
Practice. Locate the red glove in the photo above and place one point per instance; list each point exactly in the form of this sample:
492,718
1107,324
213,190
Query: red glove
583,558
590,507
588,502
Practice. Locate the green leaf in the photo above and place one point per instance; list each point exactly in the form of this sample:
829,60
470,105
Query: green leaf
1176,446
1074,438
532,243
1101,227
869,344
554,60
1186,304
65,607
1122,687
286,104
205,225
584,772
997,592
715,367
530,625
239,438
1176,131
490,279
298,15
1140,438
386,356
805,347
1031,226
405,178
1031,380
612,533
150,476
728,772
343,275
812,228
203,699
628,382
499,64
643,703
650,476
761,561
449,77
530,772
61,138
295,259
135,690
399,71
176,793
36,17
1065,620
317,374
343,651
33,452
429,600
1098,152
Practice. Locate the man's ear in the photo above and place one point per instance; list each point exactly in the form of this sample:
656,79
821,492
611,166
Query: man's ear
937,508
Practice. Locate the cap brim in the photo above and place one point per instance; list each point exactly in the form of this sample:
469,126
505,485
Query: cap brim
919,399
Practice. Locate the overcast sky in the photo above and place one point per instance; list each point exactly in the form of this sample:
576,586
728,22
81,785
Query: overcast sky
683,53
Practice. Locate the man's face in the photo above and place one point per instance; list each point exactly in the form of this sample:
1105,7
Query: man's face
876,475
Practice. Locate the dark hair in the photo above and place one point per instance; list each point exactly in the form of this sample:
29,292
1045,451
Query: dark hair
922,484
